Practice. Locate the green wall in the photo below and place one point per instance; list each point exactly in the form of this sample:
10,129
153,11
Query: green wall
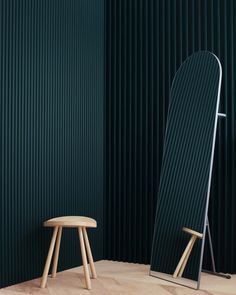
52,108
146,43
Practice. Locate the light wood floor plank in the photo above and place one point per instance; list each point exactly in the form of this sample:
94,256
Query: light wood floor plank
119,278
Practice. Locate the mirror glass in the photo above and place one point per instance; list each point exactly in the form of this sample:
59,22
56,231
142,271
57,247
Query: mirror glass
184,189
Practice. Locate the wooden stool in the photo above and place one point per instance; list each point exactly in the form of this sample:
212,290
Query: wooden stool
184,259
70,221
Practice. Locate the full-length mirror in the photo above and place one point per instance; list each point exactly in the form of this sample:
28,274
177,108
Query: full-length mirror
184,190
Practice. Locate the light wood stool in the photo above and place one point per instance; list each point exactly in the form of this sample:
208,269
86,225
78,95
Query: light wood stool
184,259
81,223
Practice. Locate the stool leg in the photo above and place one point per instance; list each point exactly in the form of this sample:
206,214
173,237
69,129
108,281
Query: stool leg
84,259
49,258
56,254
90,256
186,258
183,257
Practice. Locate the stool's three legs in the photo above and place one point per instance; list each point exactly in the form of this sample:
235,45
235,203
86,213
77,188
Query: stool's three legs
84,246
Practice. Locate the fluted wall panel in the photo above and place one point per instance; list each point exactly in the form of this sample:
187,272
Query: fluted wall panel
146,43
52,108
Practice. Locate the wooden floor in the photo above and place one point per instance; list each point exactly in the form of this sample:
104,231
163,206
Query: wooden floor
119,278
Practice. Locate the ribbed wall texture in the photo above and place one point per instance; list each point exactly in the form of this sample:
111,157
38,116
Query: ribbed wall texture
187,158
146,43
52,100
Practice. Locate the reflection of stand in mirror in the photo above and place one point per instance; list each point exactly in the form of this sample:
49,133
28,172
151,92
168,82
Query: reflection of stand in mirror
184,259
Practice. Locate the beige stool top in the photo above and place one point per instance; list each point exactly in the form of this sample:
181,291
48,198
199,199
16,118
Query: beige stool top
193,232
71,221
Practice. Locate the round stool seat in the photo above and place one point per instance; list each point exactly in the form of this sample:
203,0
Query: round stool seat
71,221
192,232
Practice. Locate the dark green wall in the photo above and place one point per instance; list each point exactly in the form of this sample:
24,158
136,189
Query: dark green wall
52,108
146,43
